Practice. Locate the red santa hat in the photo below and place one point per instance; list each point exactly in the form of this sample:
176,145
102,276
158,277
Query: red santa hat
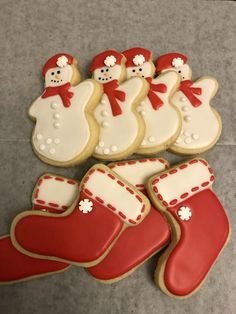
59,60
136,56
107,58
170,60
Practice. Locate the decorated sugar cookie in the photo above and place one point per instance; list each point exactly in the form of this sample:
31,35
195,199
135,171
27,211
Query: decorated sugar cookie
65,132
121,127
199,223
135,245
52,193
201,124
162,119
85,232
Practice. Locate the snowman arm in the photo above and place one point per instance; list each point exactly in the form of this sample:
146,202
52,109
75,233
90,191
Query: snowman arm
171,79
33,108
132,88
208,85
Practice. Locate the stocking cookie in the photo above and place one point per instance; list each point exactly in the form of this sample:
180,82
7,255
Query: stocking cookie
151,235
50,190
200,228
201,124
162,119
86,231
65,132
121,127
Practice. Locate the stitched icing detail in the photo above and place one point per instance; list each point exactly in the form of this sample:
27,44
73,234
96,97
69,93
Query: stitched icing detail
140,186
71,182
47,177
142,160
186,194
40,201
53,204
59,179
91,171
131,162
40,182
120,183
36,193
64,207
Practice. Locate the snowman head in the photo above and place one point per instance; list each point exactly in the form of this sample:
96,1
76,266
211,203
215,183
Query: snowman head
176,62
108,66
139,62
61,69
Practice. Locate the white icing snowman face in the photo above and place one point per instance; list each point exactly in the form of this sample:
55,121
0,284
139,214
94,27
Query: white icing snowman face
144,70
58,76
184,71
107,74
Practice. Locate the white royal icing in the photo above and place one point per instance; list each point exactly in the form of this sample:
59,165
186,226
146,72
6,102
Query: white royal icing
200,126
122,130
62,192
138,60
184,213
110,192
68,128
137,172
62,61
177,62
110,61
85,206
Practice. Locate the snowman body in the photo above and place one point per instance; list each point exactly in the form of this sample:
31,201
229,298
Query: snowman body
120,133
162,124
201,125
62,133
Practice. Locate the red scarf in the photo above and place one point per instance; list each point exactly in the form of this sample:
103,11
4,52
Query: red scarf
153,97
190,92
62,91
110,89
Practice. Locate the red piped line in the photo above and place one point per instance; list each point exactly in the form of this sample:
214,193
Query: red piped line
195,188
160,197
71,182
99,199
194,161
165,203
173,202
155,181
129,190
139,217
184,195
139,198
131,162
120,183
111,176
155,189
121,163
91,171
47,177
205,183
139,186
101,170
40,201
121,215
132,222
183,166
59,179
53,204
203,162
212,178
88,192
40,182
164,175
143,208
111,207
142,160
64,207
36,193
173,171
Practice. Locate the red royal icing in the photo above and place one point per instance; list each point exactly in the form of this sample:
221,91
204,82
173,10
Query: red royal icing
110,89
77,237
62,91
16,266
190,92
133,247
201,240
153,97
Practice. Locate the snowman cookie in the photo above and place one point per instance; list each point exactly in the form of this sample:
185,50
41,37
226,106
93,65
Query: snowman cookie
201,124
121,127
65,132
162,119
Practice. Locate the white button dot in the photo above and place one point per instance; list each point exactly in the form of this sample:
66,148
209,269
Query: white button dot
103,102
113,148
195,136
56,125
183,99
57,140
187,118
52,151
101,144
186,133
151,139
54,105
104,113
39,136
179,140
48,140
187,140
56,116
104,124
184,108
106,151
42,147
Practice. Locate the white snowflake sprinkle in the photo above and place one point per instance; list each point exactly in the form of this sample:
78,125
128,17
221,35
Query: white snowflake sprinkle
85,206
62,61
138,60
184,213
177,62
110,61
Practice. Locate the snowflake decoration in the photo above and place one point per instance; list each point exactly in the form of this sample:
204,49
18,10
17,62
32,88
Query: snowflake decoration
85,206
110,61
138,60
177,62
62,61
184,213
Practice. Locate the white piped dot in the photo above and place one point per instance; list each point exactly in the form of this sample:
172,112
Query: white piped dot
151,139
143,112
179,140
39,136
54,105
52,151
188,140
48,140
104,113
144,142
187,118
57,140
184,108
104,124
183,99
195,136
56,116
101,144
42,147
103,102
186,133
106,151
113,148
56,125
